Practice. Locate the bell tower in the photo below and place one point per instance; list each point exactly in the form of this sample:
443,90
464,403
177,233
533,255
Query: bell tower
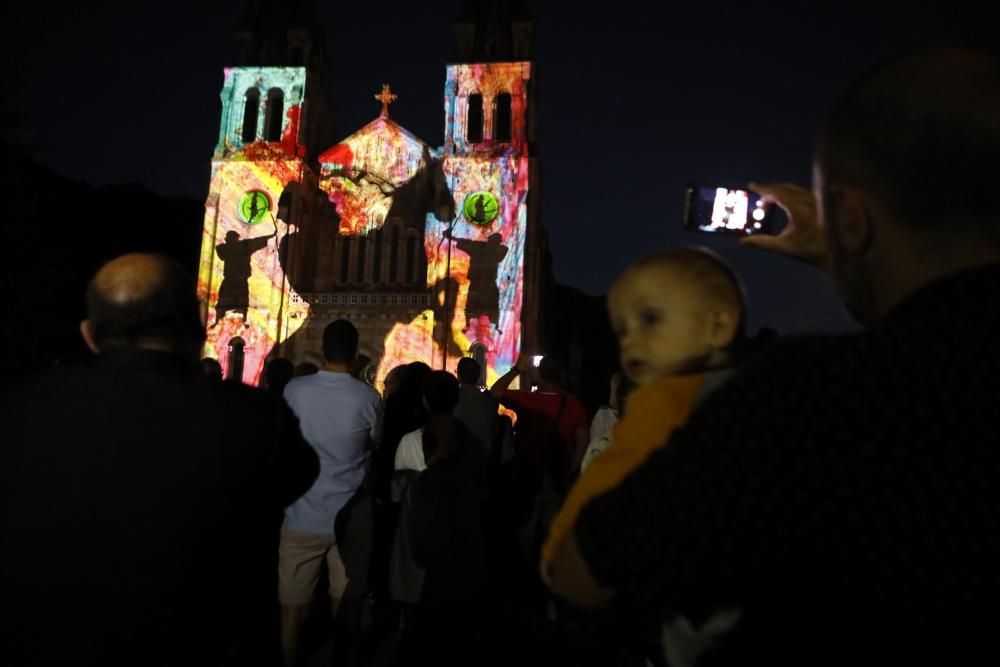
274,123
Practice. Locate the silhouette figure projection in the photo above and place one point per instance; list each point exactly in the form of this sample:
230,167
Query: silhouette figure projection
443,299
432,337
234,293
426,192
484,260
290,245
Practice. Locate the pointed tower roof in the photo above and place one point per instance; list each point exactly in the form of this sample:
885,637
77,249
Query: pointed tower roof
494,31
270,31
382,145
361,172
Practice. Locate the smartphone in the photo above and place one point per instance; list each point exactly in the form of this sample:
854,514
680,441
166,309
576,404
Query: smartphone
726,211
536,360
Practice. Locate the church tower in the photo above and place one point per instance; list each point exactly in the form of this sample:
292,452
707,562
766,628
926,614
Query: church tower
274,122
492,112
433,253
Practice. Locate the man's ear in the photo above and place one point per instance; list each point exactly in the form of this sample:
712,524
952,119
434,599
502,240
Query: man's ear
87,331
722,327
852,219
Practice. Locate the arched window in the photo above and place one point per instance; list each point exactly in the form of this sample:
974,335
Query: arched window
474,120
234,365
359,273
250,111
377,259
393,253
410,276
502,119
345,258
274,115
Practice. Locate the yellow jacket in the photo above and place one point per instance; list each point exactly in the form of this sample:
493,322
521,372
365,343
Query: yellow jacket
654,412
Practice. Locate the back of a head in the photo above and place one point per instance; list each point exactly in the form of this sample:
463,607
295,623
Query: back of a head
921,133
550,370
305,368
705,271
142,300
440,392
278,373
468,370
340,342
411,382
211,369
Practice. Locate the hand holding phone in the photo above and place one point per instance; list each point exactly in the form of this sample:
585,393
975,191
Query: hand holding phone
726,210
802,238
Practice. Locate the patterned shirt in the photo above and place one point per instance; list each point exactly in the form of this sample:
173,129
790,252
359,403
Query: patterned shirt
844,491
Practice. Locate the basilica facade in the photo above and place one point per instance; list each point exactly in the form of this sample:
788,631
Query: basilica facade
433,252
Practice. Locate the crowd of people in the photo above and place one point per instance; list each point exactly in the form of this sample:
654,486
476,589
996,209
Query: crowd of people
812,500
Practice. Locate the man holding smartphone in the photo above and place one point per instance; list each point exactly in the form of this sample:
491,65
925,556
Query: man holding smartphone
850,514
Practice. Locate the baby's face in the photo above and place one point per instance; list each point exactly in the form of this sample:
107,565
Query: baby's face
660,322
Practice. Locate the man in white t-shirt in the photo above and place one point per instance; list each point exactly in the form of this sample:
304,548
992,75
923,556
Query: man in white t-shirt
341,418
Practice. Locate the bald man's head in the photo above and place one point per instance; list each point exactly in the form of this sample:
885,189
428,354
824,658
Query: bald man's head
920,132
145,301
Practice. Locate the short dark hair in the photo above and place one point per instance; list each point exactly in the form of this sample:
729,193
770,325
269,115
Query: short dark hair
279,372
468,370
919,124
440,392
550,369
340,342
166,309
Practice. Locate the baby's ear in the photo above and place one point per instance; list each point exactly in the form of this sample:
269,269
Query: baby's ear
722,327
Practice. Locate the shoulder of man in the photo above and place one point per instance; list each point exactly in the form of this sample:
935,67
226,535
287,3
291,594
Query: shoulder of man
800,357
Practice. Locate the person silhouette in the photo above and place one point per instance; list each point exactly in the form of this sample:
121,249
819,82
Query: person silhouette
484,260
234,293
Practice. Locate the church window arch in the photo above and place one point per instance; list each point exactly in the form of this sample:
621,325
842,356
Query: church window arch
474,119
377,258
502,117
250,111
274,114
234,365
359,274
393,253
410,275
345,258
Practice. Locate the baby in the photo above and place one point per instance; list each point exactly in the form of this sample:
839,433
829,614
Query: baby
679,318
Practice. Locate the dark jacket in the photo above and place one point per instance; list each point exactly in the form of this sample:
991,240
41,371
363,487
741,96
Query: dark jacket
140,512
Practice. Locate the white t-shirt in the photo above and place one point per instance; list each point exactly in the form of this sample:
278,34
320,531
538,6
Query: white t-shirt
410,453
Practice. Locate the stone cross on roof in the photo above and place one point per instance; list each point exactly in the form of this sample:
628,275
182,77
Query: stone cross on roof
386,97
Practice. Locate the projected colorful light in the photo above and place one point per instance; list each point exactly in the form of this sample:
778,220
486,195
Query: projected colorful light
465,202
240,279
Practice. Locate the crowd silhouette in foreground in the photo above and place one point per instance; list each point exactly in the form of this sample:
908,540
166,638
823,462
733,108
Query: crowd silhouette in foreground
809,500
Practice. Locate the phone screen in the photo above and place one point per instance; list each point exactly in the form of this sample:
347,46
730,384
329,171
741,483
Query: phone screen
725,210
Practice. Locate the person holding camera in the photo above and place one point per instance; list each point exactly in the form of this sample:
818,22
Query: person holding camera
841,491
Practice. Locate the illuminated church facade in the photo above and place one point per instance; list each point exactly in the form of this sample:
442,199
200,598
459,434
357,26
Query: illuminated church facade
434,253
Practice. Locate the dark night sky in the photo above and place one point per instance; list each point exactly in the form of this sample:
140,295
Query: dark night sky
635,103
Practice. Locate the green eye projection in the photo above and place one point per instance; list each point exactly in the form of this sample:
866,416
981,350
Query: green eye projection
481,208
254,205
